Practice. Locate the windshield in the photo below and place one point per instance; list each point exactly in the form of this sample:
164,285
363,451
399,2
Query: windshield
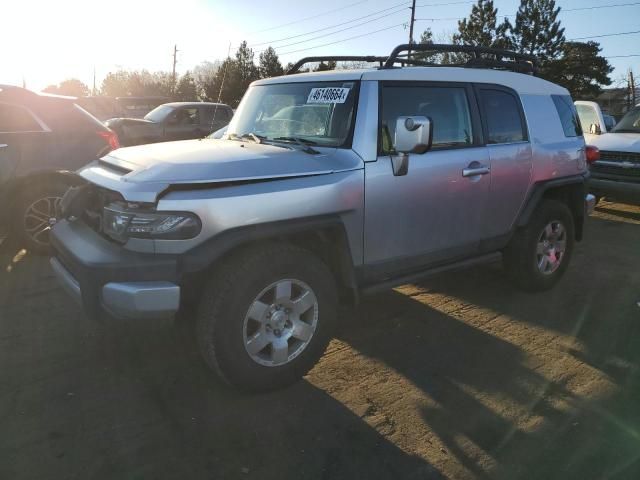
630,123
319,113
158,114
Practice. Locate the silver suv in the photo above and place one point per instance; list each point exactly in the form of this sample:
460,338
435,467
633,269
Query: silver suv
327,186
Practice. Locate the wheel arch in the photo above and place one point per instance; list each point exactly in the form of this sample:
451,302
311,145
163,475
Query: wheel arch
324,236
569,190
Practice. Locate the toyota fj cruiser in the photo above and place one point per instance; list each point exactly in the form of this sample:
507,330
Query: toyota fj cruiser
326,186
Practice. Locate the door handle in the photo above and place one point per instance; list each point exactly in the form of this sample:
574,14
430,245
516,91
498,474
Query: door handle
3,145
479,170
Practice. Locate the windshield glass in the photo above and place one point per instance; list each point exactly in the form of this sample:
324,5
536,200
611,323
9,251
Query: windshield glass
321,113
158,114
630,123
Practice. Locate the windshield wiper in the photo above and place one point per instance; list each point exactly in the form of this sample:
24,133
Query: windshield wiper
302,142
625,130
256,138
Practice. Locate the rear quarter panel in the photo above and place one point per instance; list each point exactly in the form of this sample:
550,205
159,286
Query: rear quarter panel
554,154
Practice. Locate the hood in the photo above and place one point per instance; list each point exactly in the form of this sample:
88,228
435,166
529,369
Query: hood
616,142
153,167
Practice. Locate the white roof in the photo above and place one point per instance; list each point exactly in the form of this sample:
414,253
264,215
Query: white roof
520,82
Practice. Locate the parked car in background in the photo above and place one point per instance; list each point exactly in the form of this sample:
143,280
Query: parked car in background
609,121
172,121
617,173
42,139
103,108
138,107
328,186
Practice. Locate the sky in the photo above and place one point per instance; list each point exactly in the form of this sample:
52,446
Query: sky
45,42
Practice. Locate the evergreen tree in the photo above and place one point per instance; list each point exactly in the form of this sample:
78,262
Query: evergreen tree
186,90
482,28
580,69
268,64
537,30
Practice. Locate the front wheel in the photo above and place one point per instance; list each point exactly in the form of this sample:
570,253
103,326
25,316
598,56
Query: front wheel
267,316
539,253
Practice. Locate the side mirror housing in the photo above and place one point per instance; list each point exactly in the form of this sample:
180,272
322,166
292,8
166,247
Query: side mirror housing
413,134
594,129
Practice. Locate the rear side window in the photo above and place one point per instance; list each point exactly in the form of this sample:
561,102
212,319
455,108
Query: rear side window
17,119
568,115
447,107
502,117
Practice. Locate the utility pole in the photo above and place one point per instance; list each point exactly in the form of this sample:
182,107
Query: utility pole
632,89
94,92
175,60
413,19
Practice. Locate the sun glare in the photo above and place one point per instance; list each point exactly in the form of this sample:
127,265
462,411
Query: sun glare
51,41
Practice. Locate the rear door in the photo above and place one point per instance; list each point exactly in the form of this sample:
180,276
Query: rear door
435,212
510,158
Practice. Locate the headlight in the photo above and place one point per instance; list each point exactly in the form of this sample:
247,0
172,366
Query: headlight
121,224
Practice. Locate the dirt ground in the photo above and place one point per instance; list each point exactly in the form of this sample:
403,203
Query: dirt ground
460,377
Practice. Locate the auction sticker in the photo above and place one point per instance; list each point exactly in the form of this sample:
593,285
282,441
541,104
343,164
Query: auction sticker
328,95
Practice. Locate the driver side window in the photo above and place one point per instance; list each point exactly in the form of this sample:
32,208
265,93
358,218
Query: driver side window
185,116
447,107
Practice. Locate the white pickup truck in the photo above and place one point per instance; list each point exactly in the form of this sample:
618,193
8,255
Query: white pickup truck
617,173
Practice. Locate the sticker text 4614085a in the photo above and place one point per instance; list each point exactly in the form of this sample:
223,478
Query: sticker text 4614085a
328,95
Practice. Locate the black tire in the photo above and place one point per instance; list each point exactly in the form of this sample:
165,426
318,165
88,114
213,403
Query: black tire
225,303
34,204
520,258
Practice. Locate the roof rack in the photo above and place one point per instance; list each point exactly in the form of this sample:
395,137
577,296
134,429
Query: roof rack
333,58
502,59
482,57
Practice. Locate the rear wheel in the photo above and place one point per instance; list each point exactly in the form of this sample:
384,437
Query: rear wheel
266,317
36,214
539,253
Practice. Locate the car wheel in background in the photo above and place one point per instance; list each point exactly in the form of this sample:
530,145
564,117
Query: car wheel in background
36,213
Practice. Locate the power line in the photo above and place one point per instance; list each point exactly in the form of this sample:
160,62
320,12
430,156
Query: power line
624,56
332,26
605,35
312,17
563,10
337,31
344,39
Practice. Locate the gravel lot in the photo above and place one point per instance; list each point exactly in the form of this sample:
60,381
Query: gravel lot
459,377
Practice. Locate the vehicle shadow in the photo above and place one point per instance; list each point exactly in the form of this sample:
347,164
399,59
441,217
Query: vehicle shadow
95,399
462,369
590,320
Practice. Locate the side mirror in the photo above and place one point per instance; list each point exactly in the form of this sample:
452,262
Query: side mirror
413,134
594,129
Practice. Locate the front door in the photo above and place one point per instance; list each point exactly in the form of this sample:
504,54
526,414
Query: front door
434,213
182,124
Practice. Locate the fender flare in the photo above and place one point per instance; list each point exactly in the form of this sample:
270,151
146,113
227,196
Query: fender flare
330,227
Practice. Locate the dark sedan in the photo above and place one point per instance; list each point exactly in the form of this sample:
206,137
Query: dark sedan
42,139
172,121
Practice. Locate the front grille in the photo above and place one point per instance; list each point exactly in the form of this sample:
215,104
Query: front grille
625,164
610,156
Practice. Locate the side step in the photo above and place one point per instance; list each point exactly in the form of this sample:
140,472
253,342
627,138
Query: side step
415,277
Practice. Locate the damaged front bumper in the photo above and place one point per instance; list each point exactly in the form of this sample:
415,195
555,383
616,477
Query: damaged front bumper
104,277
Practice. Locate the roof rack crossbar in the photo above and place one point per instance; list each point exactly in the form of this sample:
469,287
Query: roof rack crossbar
519,62
336,58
